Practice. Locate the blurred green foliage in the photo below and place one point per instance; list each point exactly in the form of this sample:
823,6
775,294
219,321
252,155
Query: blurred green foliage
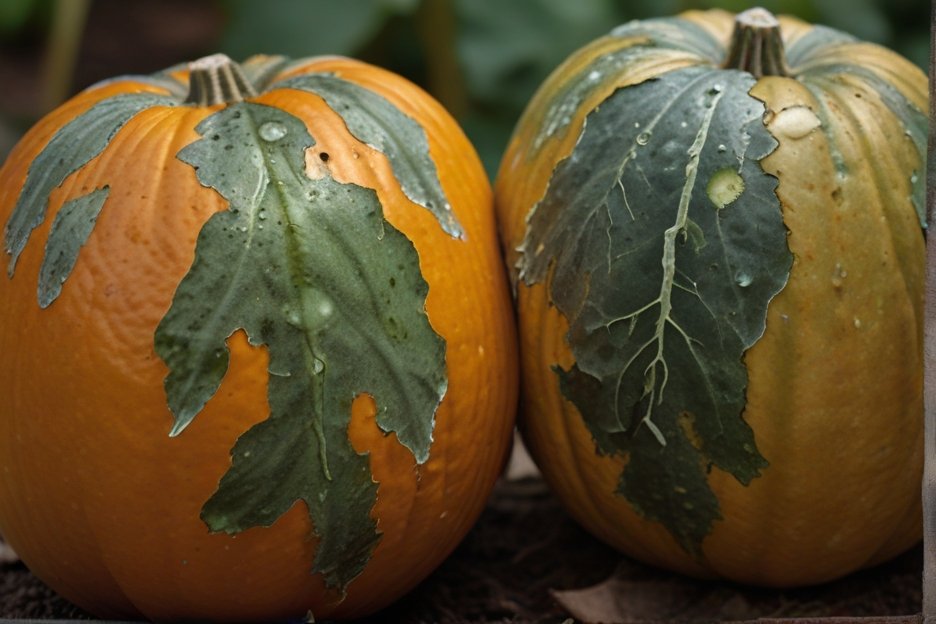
14,14
506,48
483,59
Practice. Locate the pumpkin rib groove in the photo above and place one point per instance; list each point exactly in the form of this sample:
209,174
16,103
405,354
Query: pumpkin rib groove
860,128
784,301
887,66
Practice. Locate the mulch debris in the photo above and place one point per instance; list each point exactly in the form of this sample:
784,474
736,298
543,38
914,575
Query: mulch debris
526,555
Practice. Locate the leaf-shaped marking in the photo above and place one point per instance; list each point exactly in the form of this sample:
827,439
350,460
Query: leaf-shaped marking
70,230
69,149
373,120
311,269
642,40
664,290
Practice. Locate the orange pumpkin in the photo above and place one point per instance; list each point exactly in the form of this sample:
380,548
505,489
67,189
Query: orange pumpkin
295,273
715,230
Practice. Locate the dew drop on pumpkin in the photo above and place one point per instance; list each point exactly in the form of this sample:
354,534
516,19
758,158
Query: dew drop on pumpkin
795,122
643,138
839,275
743,279
272,131
326,307
292,317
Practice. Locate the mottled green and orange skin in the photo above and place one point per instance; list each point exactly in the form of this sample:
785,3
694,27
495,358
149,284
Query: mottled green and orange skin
96,497
835,384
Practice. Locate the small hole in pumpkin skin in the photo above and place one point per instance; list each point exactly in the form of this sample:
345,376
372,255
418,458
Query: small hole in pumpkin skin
324,156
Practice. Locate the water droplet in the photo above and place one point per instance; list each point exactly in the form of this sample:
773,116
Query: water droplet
326,307
722,148
272,131
594,75
355,155
683,124
914,178
636,124
857,323
795,122
838,275
743,279
317,366
717,88
292,317
643,138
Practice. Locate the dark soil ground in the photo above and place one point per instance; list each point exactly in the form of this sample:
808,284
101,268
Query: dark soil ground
524,547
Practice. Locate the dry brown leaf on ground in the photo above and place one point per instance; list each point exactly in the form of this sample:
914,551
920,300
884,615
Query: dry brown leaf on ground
637,594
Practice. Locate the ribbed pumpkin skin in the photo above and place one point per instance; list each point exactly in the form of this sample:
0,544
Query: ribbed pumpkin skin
835,384
96,497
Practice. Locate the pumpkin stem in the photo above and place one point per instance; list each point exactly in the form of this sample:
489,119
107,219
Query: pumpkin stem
216,79
756,45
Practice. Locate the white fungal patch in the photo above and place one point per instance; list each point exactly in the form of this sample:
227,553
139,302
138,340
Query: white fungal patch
724,187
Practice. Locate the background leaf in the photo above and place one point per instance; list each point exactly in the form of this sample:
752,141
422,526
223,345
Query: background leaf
504,50
300,28
15,14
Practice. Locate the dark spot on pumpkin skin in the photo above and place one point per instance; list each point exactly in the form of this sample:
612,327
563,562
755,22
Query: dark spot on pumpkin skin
324,156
